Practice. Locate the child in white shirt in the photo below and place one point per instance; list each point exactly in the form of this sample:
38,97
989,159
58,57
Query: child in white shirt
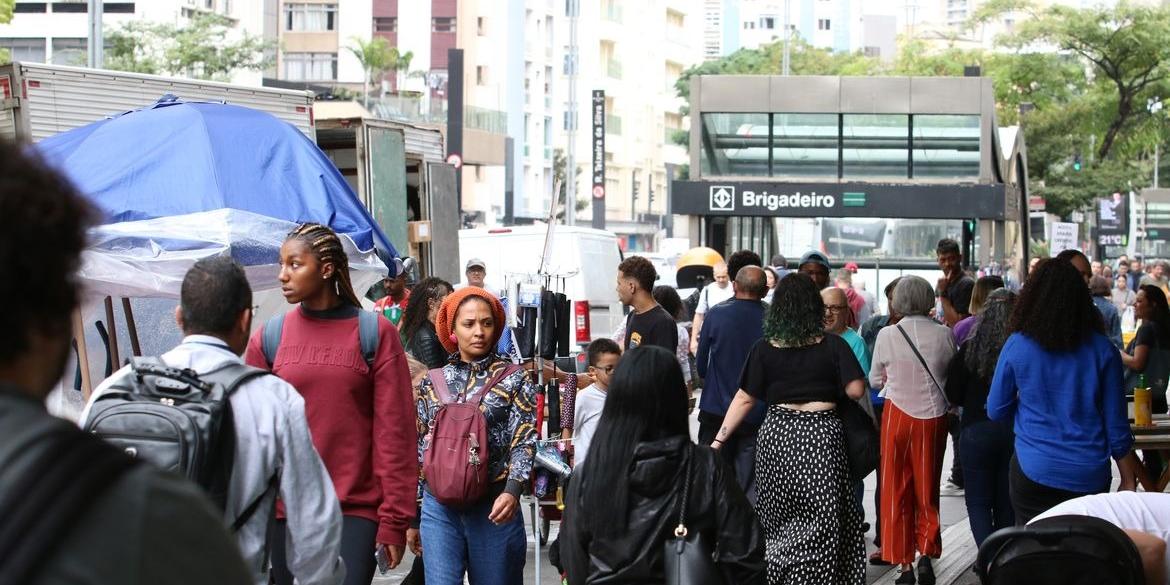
604,355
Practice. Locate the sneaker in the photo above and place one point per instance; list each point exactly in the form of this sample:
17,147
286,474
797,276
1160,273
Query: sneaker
925,571
951,489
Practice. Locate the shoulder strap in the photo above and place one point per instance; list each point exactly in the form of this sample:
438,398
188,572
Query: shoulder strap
68,475
233,375
921,359
499,376
271,338
681,505
368,335
439,382
252,507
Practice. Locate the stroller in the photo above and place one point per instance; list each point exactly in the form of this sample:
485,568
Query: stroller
1062,550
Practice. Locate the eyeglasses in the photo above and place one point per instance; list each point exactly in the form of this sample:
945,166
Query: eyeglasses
835,308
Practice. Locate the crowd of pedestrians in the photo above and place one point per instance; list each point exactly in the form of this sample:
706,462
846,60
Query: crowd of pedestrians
355,439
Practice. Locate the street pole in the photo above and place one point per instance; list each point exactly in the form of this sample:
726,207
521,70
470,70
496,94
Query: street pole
96,40
574,9
787,33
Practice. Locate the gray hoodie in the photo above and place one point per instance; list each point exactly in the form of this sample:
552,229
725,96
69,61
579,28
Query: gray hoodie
272,435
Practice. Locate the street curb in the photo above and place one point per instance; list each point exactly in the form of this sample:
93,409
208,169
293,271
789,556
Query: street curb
959,553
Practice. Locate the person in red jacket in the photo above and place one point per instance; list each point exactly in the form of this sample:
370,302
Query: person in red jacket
354,410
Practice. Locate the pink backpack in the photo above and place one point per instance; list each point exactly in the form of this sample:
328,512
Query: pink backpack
455,453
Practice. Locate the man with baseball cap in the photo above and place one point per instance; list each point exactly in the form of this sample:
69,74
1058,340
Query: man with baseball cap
476,272
816,265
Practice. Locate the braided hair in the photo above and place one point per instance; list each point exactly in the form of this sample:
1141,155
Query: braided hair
326,246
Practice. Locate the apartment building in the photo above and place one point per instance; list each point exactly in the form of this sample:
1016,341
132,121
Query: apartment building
313,37
635,51
58,31
730,25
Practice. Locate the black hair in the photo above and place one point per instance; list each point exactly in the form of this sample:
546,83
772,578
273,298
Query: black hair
326,246
641,270
1069,254
419,304
983,348
667,297
947,246
1159,310
214,293
44,220
740,259
647,401
601,346
797,314
891,286
779,260
1055,309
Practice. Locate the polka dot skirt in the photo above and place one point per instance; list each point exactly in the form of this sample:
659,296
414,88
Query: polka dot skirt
812,523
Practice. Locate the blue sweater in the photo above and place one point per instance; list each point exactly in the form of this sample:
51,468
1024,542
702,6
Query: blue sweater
730,329
1069,409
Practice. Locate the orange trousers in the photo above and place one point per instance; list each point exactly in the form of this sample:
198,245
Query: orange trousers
911,466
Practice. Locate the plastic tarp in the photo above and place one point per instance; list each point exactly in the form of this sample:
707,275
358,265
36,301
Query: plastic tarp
177,181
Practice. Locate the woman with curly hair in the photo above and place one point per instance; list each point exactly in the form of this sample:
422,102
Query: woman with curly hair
910,366
1060,379
986,445
812,524
418,322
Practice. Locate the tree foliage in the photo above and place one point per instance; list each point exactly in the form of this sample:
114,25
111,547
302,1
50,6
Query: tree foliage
204,48
6,9
376,57
1087,79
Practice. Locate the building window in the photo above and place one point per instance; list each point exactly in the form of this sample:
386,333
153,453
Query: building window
70,51
481,75
481,26
824,24
310,66
30,7
310,17
444,25
32,50
118,7
875,146
768,22
386,24
946,146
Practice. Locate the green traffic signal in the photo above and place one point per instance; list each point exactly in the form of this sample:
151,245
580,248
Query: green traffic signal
1077,163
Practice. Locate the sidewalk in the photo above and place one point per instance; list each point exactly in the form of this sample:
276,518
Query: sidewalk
952,569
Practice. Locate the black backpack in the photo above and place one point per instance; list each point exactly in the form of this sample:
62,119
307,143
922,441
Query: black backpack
178,420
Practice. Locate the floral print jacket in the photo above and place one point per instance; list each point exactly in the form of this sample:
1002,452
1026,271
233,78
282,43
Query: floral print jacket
510,409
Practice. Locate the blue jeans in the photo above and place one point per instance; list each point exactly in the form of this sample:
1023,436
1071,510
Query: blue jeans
465,541
987,448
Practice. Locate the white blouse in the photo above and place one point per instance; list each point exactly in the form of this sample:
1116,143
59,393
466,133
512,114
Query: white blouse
898,372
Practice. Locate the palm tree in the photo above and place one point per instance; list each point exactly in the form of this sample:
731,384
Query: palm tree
375,56
399,64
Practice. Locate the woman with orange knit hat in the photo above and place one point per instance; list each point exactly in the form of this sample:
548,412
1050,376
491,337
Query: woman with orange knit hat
485,537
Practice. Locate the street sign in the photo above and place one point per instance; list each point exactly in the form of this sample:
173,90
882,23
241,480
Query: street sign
1064,237
455,160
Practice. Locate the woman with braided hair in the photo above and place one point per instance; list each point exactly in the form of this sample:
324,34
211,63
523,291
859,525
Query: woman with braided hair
354,401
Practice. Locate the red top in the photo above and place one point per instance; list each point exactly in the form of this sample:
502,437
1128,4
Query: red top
362,425
387,301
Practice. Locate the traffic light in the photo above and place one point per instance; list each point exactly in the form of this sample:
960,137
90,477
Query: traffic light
1077,162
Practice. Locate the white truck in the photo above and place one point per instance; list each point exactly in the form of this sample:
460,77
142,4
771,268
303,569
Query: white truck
39,100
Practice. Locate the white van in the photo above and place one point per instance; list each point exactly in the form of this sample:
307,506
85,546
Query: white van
592,254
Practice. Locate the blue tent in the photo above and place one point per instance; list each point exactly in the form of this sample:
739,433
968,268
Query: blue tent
177,159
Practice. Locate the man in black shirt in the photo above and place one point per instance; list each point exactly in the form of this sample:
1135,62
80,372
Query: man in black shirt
649,323
954,288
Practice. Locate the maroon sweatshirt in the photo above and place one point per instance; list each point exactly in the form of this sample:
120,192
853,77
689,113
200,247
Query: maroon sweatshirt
362,425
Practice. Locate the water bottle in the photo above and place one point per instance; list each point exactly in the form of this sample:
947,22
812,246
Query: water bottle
1142,403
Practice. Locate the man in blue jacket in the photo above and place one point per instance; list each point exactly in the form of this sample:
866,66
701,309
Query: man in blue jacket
731,329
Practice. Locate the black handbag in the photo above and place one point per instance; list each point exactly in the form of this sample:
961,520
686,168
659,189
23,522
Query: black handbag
688,558
862,444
